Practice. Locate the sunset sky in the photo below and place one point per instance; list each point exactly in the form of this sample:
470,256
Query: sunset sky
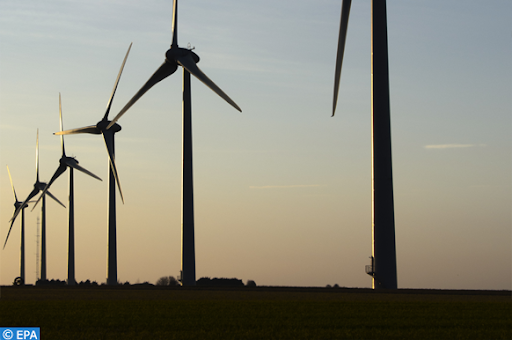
282,190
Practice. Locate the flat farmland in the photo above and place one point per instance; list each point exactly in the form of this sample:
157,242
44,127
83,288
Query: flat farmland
141,312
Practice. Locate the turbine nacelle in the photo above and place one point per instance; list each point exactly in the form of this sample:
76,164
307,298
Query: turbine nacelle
17,205
102,127
39,186
68,161
175,53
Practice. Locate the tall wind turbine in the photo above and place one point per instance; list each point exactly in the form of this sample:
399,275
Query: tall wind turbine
17,205
71,163
174,57
108,136
38,186
383,267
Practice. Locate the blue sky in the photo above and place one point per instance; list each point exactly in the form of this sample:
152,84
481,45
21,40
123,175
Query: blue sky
282,190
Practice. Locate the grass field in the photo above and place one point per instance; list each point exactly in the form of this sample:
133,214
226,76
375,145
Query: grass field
256,313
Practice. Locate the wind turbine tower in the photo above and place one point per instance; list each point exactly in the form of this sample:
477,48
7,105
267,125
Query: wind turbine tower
38,186
17,204
108,132
383,267
174,57
71,163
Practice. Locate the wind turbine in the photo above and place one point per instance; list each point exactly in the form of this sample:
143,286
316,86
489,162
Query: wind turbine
383,267
71,163
174,57
38,186
18,205
108,136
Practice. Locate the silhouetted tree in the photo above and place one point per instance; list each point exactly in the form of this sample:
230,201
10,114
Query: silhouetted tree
250,283
167,281
204,281
163,281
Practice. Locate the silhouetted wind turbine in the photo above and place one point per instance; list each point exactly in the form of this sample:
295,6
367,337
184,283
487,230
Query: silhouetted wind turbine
38,186
103,127
17,204
174,57
383,267
71,163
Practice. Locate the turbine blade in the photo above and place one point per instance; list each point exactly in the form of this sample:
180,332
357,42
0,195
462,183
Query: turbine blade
112,160
37,202
37,157
92,129
60,170
29,197
174,42
190,65
54,198
61,137
165,70
109,104
74,164
12,185
345,11
8,233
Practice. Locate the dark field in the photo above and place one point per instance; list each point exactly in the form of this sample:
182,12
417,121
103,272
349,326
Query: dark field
256,313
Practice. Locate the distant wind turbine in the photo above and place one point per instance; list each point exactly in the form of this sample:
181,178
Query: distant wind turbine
38,186
17,205
71,163
108,131
174,57
383,266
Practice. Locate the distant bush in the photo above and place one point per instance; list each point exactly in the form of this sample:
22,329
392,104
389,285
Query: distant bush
167,281
222,282
146,284
88,283
51,282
